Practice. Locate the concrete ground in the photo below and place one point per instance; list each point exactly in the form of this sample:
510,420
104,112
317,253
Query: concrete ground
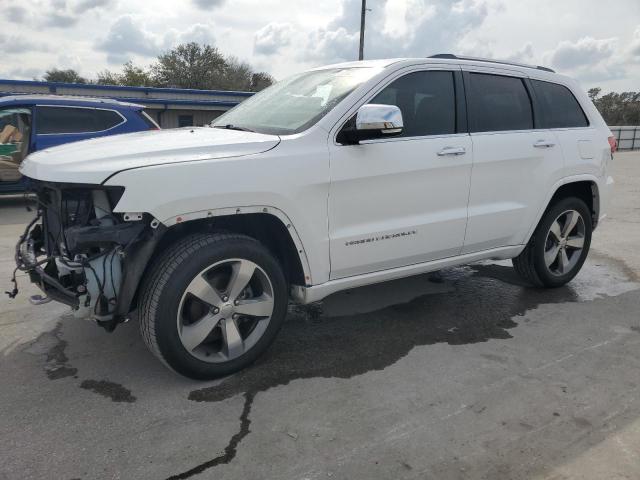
470,376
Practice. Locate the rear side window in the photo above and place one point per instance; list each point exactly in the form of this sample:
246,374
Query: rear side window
498,103
427,101
75,120
559,108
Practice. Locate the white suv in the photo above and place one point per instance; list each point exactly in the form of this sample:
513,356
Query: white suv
338,177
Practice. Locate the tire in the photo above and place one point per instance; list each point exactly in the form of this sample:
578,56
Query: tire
533,263
182,296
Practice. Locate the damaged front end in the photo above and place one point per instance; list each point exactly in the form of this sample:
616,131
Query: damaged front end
80,253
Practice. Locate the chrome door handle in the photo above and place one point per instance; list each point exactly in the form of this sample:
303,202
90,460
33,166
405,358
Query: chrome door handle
543,144
452,151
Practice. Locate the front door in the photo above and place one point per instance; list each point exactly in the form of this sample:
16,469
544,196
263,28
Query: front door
403,200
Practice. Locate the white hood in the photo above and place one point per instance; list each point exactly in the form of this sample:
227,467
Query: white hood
93,161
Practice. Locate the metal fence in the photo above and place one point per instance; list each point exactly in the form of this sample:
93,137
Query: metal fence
628,137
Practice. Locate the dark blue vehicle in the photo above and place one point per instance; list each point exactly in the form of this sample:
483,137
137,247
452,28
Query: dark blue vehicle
33,122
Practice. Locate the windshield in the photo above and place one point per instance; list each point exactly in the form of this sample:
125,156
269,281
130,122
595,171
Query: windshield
297,103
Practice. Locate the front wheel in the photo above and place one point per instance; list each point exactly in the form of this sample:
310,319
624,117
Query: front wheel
212,304
559,246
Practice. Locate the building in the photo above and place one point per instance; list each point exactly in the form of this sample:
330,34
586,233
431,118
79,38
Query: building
170,107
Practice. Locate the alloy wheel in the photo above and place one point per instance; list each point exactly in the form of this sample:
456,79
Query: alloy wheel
225,310
564,242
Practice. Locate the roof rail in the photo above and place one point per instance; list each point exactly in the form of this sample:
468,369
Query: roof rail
451,56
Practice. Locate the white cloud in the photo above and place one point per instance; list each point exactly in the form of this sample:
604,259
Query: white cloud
586,51
272,37
634,47
127,37
283,37
16,14
208,4
14,44
86,5
199,33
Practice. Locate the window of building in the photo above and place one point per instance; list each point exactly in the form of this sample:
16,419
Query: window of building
75,120
498,103
559,108
427,101
185,120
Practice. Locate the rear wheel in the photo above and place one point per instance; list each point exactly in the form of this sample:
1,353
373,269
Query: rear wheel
212,304
559,246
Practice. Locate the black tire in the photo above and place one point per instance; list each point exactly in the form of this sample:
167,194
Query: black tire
530,264
166,282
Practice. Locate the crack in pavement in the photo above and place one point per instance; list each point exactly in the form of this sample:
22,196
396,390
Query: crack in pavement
232,447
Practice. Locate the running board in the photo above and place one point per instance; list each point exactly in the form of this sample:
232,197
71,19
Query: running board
305,295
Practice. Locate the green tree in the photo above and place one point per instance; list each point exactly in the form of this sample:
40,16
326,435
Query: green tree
617,108
65,76
190,66
260,81
131,76
107,77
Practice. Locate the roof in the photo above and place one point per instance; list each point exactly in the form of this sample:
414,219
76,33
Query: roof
66,100
445,59
144,90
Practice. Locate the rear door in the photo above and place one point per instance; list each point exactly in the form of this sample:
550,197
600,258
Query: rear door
403,200
514,164
57,124
561,113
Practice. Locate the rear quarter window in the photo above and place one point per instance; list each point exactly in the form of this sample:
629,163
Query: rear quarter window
52,120
498,103
559,107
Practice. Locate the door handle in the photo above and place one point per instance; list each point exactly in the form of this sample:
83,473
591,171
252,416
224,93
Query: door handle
452,151
543,144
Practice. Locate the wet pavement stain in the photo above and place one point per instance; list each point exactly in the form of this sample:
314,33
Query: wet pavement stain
114,391
53,347
468,305
480,305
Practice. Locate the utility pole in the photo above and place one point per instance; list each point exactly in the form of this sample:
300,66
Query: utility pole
362,15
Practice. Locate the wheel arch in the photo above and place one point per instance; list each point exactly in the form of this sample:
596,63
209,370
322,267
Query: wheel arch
268,225
585,187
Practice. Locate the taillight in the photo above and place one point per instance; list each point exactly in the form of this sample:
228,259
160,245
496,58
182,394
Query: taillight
613,143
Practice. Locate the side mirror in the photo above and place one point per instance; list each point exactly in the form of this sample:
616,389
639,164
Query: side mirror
372,121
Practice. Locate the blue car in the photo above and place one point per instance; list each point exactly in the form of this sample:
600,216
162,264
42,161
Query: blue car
29,123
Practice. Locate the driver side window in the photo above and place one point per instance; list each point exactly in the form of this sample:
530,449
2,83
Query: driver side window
427,102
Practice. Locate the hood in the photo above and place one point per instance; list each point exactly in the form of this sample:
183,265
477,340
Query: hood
93,161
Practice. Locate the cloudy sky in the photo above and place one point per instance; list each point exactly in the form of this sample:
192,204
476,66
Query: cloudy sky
596,41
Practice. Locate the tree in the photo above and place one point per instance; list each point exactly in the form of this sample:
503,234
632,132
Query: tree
593,93
617,108
260,81
190,66
65,76
107,77
131,76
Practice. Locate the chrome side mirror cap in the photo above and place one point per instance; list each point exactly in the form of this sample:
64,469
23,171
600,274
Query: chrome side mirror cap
385,119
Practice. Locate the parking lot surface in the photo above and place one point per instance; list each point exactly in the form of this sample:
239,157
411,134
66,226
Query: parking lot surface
465,375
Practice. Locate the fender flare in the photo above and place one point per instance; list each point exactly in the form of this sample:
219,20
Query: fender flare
243,210
552,191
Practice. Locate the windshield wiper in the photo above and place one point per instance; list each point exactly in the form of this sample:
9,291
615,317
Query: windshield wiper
228,126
